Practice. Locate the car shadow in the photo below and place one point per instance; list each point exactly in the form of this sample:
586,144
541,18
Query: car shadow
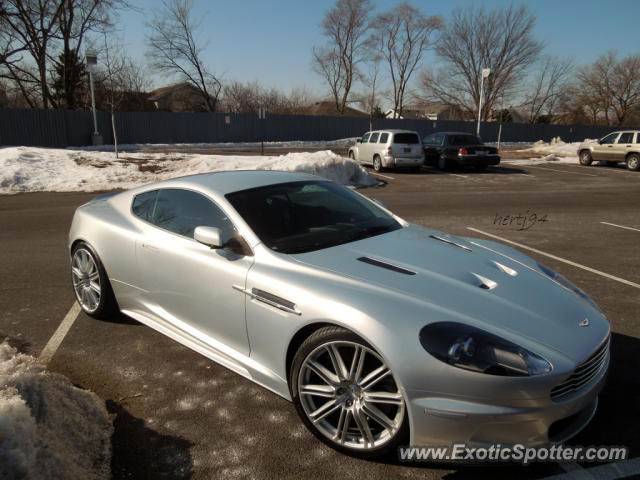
491,169
140,452
612,425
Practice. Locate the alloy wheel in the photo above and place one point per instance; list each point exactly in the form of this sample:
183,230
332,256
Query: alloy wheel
86,280
350,395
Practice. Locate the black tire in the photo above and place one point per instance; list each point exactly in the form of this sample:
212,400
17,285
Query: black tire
443,163
633,162
377,163
106,304
480,168
585,158
314,343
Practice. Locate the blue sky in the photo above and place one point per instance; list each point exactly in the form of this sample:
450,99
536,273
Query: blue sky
271,41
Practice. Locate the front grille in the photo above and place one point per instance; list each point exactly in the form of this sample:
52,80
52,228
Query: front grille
584,373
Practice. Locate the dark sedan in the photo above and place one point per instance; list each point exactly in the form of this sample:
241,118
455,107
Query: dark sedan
449,149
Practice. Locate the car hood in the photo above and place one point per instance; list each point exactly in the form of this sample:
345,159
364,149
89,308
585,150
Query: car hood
470,280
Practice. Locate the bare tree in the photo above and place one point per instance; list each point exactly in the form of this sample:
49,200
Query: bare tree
401,36
473,39
175,50
624,86
345,26
543,94
29,27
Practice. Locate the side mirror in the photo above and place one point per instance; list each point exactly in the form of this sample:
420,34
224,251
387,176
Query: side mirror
359,140
210,236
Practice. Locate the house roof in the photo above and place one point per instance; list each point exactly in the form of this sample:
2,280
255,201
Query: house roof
328,108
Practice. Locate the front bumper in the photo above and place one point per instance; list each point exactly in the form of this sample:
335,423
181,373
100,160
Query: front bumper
471,159
438,420
391,161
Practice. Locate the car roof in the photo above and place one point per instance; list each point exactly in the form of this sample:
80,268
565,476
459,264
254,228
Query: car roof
454,133
391,130
231,181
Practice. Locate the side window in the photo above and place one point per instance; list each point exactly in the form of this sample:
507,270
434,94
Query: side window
384,138
626,137
438,138
428,140
181,211
374,137
143,205
611,138
365,137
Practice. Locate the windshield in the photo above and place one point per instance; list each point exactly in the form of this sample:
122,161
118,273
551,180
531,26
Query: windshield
464,140
299,217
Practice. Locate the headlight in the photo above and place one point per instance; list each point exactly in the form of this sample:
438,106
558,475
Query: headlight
473,349
568,285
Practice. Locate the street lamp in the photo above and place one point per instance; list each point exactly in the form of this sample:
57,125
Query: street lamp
91,60
485,73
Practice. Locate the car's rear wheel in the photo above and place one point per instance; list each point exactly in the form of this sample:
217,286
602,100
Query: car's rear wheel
442,163
585,158
90,282
633,162
377,163
347,395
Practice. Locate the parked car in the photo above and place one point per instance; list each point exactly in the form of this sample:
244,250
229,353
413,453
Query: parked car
614,148
448,149
382,332
389,149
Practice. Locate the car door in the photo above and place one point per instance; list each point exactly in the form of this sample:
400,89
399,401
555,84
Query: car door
362,148
603,150
372,147
430,152
186,283
622,146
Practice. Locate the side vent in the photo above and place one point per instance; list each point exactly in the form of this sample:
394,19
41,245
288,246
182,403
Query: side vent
485,283
505,269
388,266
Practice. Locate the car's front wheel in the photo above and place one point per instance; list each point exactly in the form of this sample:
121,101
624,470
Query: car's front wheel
585,158
90,282
346,394
633,162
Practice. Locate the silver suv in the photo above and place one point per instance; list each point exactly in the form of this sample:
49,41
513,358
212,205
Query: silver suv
614,148
389,149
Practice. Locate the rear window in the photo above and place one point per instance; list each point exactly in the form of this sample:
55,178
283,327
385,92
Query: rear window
144,204
384,137
463,140
406,138
626,137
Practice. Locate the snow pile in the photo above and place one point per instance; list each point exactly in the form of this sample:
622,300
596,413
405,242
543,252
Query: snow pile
342,142
30,169
554,151
48,427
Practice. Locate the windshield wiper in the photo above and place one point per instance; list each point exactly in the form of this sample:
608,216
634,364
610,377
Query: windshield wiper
368,232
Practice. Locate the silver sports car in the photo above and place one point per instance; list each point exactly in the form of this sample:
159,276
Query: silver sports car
382,333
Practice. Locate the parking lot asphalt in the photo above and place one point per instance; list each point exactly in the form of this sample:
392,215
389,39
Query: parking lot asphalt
180,415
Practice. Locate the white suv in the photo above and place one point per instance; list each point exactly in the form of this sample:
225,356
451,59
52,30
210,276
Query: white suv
389,149
615,147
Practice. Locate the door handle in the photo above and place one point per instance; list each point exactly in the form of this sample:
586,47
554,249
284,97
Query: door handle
149,247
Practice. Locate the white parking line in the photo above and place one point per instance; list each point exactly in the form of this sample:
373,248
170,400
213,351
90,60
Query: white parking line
621,226
54,342
563,171
564,260
608,471
383,176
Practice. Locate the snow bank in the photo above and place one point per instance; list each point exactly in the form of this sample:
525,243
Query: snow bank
555,151
30,169
48,427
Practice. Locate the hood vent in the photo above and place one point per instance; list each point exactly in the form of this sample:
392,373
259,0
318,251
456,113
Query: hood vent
388,266
450,242
505,269
485,282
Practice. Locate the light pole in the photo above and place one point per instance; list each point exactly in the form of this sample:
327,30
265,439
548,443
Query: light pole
91,59
485,73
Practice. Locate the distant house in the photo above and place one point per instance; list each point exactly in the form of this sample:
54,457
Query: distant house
328,108
181,97
428,111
